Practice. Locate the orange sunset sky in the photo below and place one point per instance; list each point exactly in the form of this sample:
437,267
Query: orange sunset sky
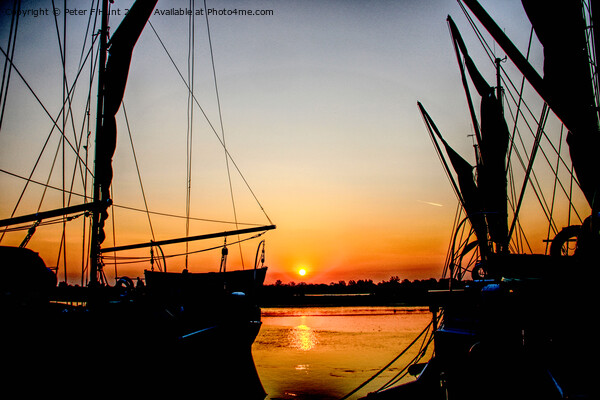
318,106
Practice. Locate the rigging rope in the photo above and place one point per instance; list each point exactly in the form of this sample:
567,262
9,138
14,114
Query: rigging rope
190,122
12,40
114,233
388,364
138,260
450,251
133,152
85,197
556,180
590,23
404,371
68,95
46,222
538,188
519,101
137,167
536,145
212,58
54,126
211,125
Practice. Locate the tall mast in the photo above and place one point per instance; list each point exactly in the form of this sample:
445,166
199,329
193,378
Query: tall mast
95,265
499,83
509,48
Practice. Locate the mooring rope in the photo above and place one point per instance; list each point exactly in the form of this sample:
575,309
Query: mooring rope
388,364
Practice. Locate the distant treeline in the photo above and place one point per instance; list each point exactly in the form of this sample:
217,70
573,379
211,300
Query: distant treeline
351,293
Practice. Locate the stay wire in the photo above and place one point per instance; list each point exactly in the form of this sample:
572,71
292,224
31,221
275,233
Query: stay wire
214,70
190,120
211,125
505,79
85,197
12,40
137,167
560,161
54,126
67,97
556,181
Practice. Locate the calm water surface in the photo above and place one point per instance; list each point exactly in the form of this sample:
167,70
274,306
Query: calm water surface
326,352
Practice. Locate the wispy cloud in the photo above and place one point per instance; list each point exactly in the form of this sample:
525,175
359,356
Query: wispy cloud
431,203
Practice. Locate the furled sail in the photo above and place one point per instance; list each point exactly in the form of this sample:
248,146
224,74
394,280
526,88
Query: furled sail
561,28
468,191
117,68
493,145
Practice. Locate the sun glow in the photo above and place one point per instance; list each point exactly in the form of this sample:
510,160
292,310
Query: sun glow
302,272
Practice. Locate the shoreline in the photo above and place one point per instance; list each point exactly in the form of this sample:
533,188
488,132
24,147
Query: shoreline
345,300
362,293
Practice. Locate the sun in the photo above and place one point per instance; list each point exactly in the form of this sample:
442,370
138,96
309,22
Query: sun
302,272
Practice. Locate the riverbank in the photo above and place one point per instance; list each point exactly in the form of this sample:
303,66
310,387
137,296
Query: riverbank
353,293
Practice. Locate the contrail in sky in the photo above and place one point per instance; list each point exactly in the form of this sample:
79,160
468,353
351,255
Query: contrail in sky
430,203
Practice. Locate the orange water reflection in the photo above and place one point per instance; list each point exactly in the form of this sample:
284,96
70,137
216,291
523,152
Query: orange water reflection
303,337
325,352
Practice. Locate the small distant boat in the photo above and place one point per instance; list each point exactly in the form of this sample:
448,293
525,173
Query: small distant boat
514,324
176,333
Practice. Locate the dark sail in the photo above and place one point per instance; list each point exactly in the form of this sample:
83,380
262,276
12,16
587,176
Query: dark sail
117,68
468,192
493,145
561,29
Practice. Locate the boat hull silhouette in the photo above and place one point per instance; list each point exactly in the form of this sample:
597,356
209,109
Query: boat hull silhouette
183,331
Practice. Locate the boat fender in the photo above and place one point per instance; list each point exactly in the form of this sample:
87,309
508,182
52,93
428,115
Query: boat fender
238,294
125,286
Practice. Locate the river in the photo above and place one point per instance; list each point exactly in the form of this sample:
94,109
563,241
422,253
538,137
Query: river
326,352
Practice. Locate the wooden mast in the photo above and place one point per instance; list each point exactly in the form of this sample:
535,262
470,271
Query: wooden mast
95,264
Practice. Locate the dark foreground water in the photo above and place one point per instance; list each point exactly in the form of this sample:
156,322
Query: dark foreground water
326,352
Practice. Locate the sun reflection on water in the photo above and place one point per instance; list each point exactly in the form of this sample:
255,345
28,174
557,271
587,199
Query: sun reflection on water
303,337
326,352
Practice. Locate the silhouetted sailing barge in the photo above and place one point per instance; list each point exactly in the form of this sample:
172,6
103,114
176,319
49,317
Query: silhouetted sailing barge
521,326
177,332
